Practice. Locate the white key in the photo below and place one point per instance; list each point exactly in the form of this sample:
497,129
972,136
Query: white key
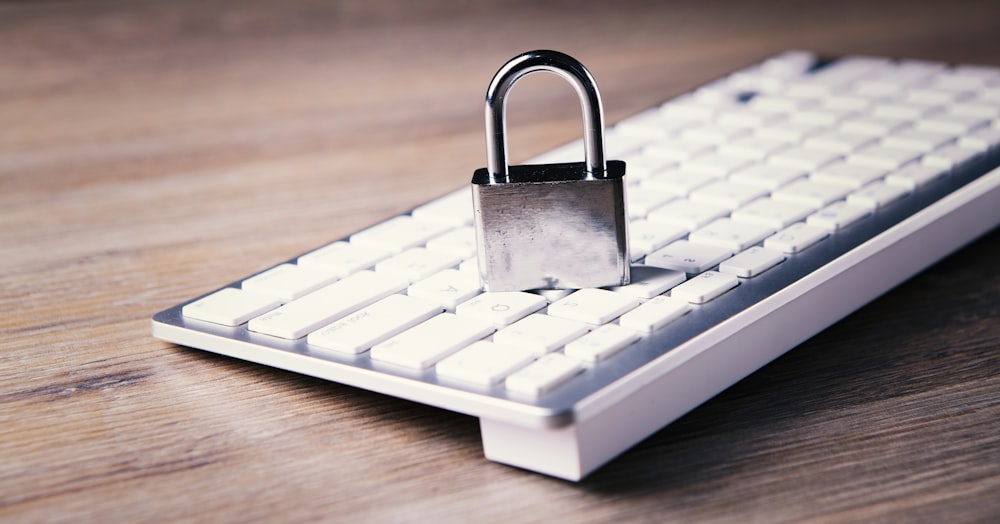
845,103
642,200
449,288
930,96
877,195
461,242
688,257
873,125
417,263
543,375
454,209
774,104
230,306
820,116
685,109
358,332
601,343
803,158
913,176
732,235
752,147
917,140
705,287
975,108
593,306
483,363
981,139
620,144
713,133
650,281
838,141
796,237
950,157
677,149
651,124
398,234
715,164
288,281
343,258
883,156
837,215
727,194
674,182
327,304
654,314
540,333
767,176
743,118
752,262
791,132
644,237
810,193
423,345
470,265
950,123
850,175
907,110
642,167
772,213
501,308
687,214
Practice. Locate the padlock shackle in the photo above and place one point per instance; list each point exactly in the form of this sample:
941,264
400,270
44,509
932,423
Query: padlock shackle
573,72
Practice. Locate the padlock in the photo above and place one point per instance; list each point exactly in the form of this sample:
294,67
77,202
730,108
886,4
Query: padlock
551,226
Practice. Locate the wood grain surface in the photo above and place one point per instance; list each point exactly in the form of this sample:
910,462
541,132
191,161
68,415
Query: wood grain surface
152,151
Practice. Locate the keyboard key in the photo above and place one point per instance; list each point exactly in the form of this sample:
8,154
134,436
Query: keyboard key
543,375
803,158
877,126
643,199
676,182
727,194
601,343
705,287
454,209
768,176
502,307
715,164
654,314
460,241
417,263
883,156
593,306
678,150
483,363
838,215
982,139
796,237
917,140
398,234
644,237
230,306
449,288
838,141
850,175
540,333
288,281
951,123
752,147
775,214
688,257
913,176
650,281
296,319
423,345
810,193
752,262
687,214
951,156
358,332
343,258
730,234
877,195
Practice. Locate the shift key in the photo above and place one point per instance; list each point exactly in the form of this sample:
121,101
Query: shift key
298,318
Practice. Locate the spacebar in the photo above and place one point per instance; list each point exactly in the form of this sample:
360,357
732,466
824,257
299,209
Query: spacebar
298,318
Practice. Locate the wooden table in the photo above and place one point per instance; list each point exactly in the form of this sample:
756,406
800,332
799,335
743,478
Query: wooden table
153,151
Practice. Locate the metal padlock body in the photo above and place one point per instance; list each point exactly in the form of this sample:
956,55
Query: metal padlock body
552,227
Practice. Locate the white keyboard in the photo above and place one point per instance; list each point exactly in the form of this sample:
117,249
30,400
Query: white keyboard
763,207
